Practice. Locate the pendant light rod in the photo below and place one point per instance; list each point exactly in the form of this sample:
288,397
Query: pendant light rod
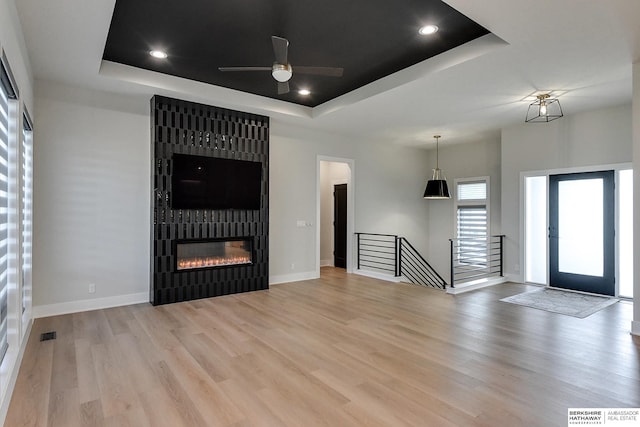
437,137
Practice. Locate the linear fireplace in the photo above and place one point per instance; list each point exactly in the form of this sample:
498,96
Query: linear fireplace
213,253
189,256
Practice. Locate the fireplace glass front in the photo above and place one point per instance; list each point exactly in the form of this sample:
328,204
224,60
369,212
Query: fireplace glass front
192,255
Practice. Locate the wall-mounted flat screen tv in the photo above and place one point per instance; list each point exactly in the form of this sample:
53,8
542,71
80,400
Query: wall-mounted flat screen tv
200,182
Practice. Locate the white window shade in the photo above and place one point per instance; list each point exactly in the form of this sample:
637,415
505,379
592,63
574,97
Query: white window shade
472,190
4,212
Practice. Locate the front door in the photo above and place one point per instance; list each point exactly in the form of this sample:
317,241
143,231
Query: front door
581,232
340,225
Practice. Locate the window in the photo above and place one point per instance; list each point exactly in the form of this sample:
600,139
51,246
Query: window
536,229
26,211
472,219
7,92
625,232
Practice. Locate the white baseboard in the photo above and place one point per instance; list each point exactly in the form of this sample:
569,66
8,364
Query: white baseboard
326,263
88,304
635,328
376,275
293,277
476,284
6,398
515,278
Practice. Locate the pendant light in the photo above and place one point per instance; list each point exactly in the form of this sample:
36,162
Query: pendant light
437,187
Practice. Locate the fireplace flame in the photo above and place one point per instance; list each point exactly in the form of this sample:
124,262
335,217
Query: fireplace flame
204,262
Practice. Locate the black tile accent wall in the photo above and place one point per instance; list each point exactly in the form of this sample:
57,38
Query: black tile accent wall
189,128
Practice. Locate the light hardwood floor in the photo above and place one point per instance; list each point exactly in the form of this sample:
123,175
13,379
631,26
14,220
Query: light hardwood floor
343,350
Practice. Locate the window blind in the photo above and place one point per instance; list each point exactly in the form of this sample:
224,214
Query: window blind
26,196
8,90
472,221
472,234
4,215
472,190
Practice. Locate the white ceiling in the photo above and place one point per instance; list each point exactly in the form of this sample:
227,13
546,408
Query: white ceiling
582,48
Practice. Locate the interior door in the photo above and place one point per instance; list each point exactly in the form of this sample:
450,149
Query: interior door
581,232
340,225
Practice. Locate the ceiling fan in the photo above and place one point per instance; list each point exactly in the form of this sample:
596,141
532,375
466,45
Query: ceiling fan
282,71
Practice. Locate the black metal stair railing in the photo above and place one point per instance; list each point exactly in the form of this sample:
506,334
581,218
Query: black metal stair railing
389,253
378,252
415,268
476,258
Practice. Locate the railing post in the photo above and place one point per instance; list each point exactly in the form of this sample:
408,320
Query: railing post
398,252
452,272
501,255
358,250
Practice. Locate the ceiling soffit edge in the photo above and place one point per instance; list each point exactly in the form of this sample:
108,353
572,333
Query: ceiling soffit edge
466,52
165,84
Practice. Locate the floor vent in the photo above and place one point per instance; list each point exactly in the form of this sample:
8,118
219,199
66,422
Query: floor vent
48,336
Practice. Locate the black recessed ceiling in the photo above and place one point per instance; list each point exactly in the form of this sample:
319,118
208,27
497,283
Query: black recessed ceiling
369,39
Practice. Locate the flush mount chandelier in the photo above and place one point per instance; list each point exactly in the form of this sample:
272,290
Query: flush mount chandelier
544,109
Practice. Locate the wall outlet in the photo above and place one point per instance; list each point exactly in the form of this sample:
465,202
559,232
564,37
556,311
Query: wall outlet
293,266
92,288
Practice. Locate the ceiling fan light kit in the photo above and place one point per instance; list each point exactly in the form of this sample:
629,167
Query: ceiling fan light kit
281,72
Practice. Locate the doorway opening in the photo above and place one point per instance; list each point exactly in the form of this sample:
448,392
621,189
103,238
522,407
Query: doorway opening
582,232
575,240
335,213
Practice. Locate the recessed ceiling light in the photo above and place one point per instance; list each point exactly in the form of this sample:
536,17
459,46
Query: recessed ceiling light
158,54
428,29
304,92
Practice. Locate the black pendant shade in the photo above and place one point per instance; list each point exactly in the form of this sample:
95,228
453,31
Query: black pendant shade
437,187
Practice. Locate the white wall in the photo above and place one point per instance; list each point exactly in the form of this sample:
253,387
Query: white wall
389,183
481,158
635,325
598,137
92,184
91,195
388,187
331,173
12,42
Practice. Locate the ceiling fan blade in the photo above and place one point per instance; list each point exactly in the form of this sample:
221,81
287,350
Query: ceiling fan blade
283,87
280,49
320,71
244,68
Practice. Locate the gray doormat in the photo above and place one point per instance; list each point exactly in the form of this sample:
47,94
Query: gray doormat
570,303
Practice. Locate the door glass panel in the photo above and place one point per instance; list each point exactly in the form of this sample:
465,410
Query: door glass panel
580,226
